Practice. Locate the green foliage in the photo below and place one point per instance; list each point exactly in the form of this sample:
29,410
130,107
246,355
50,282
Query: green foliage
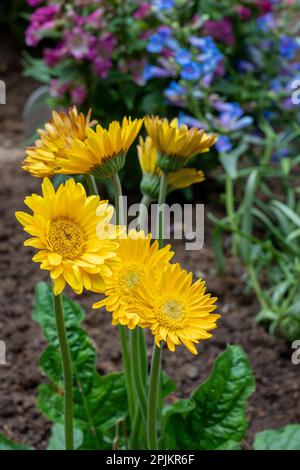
214,417
7,444
99,401
287,438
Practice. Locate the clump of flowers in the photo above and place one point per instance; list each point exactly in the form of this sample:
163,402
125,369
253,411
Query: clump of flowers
79,246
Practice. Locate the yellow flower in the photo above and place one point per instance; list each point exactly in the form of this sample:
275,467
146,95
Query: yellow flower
176,310
137,258
57,136
76,243
179,179
104,150
176,144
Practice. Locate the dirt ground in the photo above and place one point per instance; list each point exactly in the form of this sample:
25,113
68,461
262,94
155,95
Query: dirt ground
276,400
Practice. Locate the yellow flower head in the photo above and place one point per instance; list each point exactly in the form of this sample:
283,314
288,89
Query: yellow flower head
57,136
103,151
137,258
148,158
76,243
176,310
176,144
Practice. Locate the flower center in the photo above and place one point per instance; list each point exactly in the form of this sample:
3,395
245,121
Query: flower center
66,238
170,313
129,277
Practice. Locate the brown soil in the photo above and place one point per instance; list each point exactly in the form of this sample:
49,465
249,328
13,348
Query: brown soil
276,400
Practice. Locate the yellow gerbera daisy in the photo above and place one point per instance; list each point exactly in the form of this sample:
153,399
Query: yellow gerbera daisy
179,179
104,150
57,136
176,310
137,257
76,243
176,144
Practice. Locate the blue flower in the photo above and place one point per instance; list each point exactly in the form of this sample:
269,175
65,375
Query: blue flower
183,57
223,144
231,116
191,71
158,40
287,47
175,90
161,5
266,22
190,121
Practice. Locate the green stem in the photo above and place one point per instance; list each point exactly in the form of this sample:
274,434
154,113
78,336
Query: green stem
92,185
155,372
137,373
229,196
67,370
122,330
256,287
153,398
143,361
118,198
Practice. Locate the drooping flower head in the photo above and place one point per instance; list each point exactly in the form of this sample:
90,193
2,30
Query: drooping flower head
137,259
148,158
176,144
76,243
176,310
103,151
55,139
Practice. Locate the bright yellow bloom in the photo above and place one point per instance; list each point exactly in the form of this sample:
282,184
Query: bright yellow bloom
137,259
148,158
76,243
176,144
57,136
176,310
104,150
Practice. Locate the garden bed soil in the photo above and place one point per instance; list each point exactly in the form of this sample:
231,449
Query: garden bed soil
274,404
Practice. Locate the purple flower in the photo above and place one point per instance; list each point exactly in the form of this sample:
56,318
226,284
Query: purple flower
191,71
231,116
223,144
221,30
55,55
152,71
78,42
78,94
183,57
34,3
190,121
41,19
58,88
142,11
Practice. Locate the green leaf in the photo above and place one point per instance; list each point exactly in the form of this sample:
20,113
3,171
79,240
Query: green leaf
287,438
7,444
98,401
57,438
214,416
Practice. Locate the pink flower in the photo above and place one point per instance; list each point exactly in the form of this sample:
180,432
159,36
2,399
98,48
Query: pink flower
57,88
34,3
78,42
143,11
55,55
95,19
221,30
243,12
41,19
78,94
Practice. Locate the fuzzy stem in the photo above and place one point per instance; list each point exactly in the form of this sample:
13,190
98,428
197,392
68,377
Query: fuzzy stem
67,370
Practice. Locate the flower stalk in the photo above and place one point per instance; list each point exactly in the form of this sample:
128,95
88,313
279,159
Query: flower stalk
67,370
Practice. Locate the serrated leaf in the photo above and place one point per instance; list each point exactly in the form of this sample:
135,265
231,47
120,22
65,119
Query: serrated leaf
215,415
286,438
98,401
